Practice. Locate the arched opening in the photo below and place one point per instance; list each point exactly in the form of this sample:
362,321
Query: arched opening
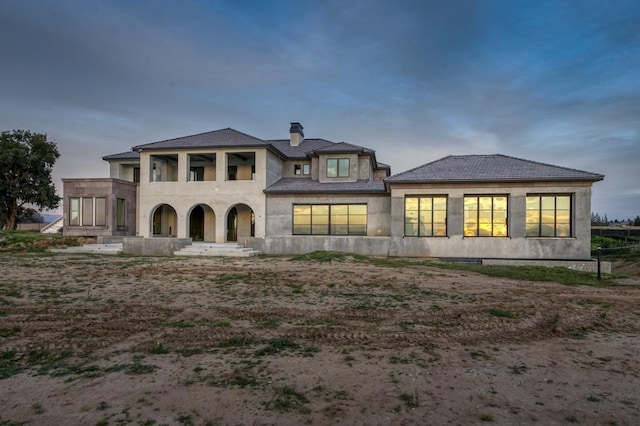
196,224
241,222
202,223
164,221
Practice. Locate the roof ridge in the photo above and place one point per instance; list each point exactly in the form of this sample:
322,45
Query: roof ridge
419,167
547,164
199,134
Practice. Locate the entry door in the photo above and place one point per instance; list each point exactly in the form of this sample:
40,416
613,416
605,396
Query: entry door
196,224
232,225
157,221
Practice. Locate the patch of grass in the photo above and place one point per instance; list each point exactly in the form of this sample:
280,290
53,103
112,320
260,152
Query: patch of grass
277,345
34,241
10,332
486,418
219,324
530,273
102,405
185,419
593,399
37,408
518,369
580,333
411,400
236,342
137,368
502,313
8,367
270,323
178,324
571,419
229,278
159,349
321,256
288,398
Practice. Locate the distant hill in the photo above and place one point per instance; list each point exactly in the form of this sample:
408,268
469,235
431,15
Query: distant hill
48,218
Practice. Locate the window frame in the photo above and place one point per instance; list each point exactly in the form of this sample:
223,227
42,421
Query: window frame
540,223
85,211
338,168
97,209
432,224
121,214
74,213
479,211
327,222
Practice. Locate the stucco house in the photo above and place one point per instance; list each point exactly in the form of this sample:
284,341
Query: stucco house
297,195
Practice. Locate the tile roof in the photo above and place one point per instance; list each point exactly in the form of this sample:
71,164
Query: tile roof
304,185
216,139
129,155
485,168
341,147
299,152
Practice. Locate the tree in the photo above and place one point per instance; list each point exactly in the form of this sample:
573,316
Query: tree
636,221
26,162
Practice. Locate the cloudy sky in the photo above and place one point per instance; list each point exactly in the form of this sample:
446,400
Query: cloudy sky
552,81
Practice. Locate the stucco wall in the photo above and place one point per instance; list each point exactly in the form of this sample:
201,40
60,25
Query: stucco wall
515,245
108,188
219,195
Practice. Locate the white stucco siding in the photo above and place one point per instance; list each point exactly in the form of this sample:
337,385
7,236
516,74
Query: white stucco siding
220,195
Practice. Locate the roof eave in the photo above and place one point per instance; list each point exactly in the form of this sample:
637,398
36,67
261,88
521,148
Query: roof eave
505,180
317,191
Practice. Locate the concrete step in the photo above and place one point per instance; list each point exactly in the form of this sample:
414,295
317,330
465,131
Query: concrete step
114,248
217,249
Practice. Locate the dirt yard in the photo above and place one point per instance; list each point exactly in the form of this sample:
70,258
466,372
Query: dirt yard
270,341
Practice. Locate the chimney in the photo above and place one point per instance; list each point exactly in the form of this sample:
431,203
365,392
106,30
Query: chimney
296,134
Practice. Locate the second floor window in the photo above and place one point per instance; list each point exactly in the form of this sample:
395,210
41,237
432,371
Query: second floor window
301,169
337,167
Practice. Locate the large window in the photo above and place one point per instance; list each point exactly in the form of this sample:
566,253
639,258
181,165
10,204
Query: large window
87,211
337,167
425,216
74,211
330,219
548,216
121,213
101,211
485,216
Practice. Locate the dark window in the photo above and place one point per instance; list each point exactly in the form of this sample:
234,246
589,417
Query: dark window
136,174
101,211
121,213
196,174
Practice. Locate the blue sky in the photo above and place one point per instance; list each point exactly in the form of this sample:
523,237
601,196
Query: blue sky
550,81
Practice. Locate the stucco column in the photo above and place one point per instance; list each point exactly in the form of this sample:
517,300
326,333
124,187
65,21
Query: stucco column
221,223
183,171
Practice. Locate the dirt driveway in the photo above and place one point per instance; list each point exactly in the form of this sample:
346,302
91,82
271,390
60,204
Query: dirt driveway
271,341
